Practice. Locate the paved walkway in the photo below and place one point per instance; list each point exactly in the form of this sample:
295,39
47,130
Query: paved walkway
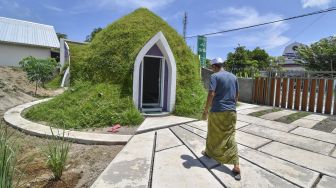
272,154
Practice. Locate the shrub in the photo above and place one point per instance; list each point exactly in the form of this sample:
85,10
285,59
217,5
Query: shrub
39,70
56,151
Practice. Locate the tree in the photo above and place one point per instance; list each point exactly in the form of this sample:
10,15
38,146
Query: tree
261,56
319,56
39,70
61,36
90,37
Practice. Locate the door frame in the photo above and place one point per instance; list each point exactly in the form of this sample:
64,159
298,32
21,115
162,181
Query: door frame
162,79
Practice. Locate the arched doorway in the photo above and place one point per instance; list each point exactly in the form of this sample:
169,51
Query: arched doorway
154,76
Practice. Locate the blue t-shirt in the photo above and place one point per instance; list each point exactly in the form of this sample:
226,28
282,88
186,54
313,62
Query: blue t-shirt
225,85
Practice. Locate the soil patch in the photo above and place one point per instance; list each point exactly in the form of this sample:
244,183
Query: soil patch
292,117
85,162
263,112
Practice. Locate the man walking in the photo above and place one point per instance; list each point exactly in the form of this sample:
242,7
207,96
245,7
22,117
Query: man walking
222,97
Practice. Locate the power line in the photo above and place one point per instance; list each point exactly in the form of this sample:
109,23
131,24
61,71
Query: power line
267,23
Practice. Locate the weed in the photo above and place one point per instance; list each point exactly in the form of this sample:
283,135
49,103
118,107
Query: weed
57,150
8,159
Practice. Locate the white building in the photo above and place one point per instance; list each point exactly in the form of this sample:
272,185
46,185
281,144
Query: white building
19,39
291,56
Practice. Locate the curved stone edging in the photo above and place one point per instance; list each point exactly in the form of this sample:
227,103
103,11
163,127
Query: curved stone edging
13,118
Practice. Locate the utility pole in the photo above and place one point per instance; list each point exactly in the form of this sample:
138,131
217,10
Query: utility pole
185,22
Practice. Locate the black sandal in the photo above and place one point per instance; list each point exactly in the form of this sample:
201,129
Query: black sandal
205,154
236,175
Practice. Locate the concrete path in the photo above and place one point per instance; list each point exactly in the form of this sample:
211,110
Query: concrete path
271,154
13,118
277,115
309,121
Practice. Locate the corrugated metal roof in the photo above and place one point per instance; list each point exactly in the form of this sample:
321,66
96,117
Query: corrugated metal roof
27,33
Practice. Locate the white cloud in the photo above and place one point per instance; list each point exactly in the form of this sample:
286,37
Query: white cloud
269,36
316,3
54,8
150,4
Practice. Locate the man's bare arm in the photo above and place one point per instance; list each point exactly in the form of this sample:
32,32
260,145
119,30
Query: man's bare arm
211,95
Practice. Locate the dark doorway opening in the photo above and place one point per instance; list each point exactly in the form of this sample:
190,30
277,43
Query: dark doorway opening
151,95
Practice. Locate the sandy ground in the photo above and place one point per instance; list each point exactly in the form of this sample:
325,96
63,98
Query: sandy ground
85,162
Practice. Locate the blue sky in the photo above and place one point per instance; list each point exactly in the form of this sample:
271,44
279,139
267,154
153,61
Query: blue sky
77,18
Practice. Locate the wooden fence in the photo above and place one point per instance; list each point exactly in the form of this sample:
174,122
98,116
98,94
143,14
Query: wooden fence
306,94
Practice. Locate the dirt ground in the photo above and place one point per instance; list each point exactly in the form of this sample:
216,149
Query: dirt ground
85,162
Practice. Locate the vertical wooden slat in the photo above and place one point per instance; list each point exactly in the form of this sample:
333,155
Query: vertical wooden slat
261,88
312,96
255,92
271,94
328,101
320,96
284,93
297,94
278,89
290,93
267,89
305,95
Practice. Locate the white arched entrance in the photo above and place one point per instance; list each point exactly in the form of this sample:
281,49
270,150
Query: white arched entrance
154,76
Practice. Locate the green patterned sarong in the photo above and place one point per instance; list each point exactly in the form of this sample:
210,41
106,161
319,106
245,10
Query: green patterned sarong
221,143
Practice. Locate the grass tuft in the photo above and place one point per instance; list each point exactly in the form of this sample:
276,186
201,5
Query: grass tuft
57,151
263,112
8,154
293,117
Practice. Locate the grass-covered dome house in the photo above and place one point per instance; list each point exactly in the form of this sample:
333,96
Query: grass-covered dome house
139,61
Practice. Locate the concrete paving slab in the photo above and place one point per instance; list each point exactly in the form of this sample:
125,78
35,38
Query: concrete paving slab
252,110
315,117
166,139
241,137
266,123
250,140
289,171
334,154
203,125
241,124
243,106
307,159
131,167
252,176
196,131
290,139
155,123
326,182
334,131
315,134
305,123
178,167
195,143
277,115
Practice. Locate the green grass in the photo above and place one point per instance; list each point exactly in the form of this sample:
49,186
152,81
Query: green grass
56,151
110,58
8,159
86,105
54,83
263,112
293,117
